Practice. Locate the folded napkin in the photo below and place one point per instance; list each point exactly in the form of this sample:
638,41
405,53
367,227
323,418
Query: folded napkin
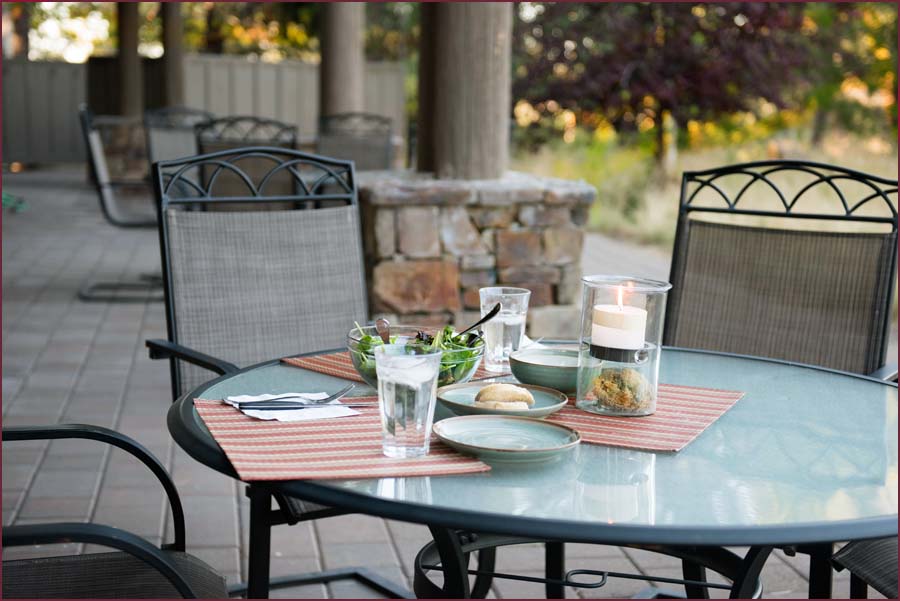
329,410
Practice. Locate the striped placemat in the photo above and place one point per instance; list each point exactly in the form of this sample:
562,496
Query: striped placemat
344,447
682,413
340,365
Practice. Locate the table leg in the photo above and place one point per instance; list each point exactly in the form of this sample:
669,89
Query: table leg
555,569
820,570
746,585
692,570
453,562
260,543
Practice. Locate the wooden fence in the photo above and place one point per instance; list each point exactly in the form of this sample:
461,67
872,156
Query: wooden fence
40,99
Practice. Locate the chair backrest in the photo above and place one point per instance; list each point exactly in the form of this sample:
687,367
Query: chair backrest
785,259
247,286
170,132
229,133
115,156
363,138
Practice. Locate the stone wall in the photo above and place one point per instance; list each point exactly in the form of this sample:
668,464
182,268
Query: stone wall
431,244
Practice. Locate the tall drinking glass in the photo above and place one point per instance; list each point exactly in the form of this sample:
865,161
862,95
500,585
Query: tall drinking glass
503,334
407,393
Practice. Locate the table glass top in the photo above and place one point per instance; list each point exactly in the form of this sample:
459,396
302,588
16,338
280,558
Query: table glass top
803,446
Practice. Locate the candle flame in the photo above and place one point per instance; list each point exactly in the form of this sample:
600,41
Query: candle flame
621,297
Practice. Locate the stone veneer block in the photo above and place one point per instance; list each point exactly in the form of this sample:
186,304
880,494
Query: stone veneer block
417,232
542,215
568,192
458,235
508,191
478,262
562,245
529,273
568,290
416,286
471,297
518,247
396,192
554,321
385,233
541,293
478,277
493,217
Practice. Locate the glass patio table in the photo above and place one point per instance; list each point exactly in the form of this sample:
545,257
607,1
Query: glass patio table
807,458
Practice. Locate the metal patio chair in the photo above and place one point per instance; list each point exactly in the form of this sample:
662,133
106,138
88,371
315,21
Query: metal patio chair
247,286
768,279
137,569
170,132
229,133
871,563
363,138
118,169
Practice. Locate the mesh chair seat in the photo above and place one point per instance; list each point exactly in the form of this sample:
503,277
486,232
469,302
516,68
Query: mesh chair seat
873,561
106,576
743,283
807,296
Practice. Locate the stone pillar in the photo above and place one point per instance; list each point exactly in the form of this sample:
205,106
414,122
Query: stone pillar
425,116
472,81
342,71
173,57
131,80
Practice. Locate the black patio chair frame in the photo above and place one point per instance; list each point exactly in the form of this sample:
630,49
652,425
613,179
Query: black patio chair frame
693,182
148,287
173,117
64,532
262,516
360,124
246,129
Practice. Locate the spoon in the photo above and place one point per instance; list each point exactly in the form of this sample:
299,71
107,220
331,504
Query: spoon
383,327
489,316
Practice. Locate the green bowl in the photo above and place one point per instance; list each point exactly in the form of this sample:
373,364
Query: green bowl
549,367
456,366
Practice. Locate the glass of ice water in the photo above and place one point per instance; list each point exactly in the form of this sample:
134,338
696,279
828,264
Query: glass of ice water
407,393
503,334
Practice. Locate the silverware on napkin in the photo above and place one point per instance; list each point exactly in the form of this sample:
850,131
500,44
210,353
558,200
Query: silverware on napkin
298,401
291,406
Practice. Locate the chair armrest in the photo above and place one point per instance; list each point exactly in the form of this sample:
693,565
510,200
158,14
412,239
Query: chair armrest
116,439
99,534
163,349
888,373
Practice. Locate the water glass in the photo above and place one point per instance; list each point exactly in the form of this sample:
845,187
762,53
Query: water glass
407,394
503,334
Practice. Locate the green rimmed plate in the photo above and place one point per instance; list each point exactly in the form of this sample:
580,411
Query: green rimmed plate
506,438
460,400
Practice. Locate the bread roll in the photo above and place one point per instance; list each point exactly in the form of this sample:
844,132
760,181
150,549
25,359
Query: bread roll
504,393
502,406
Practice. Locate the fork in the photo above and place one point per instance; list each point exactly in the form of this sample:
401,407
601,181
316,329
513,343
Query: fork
300,402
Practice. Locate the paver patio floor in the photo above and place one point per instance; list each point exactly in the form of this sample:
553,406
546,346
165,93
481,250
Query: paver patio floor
69,361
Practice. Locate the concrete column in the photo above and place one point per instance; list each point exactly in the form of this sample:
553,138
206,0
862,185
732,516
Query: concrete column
472,90
173,56
425,115
342,71
131,79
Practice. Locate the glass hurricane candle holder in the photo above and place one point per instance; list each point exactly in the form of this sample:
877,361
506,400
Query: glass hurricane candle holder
621,333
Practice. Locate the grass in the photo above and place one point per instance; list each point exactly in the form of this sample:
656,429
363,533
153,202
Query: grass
638,201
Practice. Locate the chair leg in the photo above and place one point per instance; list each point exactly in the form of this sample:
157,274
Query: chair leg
858,587
820,570
258,581
260,543
555,569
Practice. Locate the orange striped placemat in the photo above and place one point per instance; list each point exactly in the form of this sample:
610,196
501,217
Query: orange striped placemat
682,414
340,365
344,447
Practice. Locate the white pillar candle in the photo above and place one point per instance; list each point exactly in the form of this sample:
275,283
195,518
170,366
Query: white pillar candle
618,326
